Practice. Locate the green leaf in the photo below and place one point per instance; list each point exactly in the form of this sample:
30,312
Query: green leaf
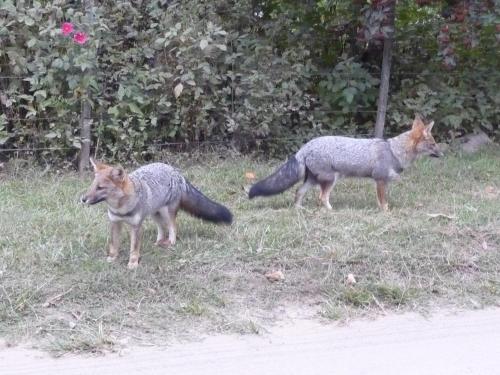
8,6
348,94
28,98
134,108
77,144
158,43
178,90
203,44
114,111
41,93
31,43
28,21
52,135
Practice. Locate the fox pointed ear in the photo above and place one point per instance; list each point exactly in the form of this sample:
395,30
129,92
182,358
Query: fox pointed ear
417,123
118,174
95,164
429,126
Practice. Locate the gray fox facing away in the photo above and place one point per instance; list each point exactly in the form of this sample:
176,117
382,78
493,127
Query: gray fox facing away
156,190
323,160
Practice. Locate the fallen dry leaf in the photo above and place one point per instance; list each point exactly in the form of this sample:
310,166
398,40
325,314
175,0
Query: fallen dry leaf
250,177
274,276
491,192
484,245
350,279
450,217
77,314
52,301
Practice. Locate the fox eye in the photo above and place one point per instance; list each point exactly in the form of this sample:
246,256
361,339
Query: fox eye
100,188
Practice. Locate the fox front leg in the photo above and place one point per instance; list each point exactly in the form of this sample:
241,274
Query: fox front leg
114,245
381,192
135,246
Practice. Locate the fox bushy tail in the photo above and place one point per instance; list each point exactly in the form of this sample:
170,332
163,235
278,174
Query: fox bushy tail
283,178
197,204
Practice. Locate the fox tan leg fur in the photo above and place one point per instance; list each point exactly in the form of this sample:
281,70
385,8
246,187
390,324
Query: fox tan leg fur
160,224
381,190
172,231
324,196
301,191
135,246
114,245
165,218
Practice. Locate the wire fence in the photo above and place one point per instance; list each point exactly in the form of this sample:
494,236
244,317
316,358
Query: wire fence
190,144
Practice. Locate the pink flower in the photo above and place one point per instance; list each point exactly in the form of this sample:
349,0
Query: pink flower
80,37
67,28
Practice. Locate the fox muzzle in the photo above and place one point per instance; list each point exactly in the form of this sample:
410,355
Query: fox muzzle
437,153
91,200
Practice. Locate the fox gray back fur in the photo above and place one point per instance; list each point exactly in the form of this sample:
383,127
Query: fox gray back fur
158,185
324,160
349,157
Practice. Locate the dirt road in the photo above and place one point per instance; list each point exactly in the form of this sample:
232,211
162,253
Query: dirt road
456,344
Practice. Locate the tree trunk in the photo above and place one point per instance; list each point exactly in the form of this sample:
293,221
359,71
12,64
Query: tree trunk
383,93
85,131
86,111
385,75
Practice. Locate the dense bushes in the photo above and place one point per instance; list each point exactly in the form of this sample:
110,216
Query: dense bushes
255,73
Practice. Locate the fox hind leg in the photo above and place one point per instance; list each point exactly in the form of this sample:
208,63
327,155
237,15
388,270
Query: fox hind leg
165,218
301,191
326,189
161,225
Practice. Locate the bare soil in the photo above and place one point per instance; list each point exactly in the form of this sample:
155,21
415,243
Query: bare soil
445,343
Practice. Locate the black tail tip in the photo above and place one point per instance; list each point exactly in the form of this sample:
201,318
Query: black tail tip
251,193
227,217
224,216
254,191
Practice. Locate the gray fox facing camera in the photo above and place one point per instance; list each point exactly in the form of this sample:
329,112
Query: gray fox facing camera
324,160
156,190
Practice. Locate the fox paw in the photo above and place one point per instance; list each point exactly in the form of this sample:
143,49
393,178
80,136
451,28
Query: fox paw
132,265
111,259
163,243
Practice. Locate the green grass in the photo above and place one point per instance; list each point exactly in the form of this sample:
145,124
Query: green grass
57,291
